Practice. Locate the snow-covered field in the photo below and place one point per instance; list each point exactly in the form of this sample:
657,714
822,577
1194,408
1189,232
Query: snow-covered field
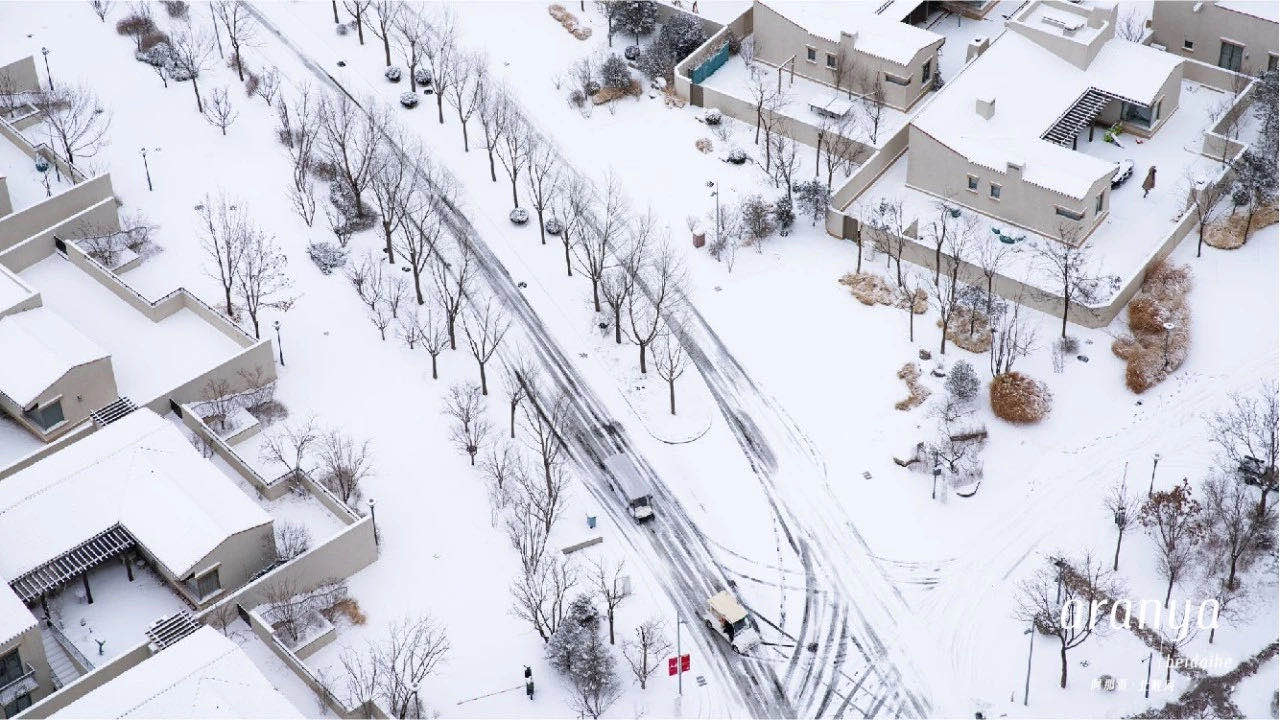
814,349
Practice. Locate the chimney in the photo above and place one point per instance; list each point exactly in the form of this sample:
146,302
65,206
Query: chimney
986,106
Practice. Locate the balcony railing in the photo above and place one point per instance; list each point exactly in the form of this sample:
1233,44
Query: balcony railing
19,686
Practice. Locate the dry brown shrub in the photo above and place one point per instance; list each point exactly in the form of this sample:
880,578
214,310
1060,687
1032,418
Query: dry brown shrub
975,336
557,11
1226,234
1018,398
582,33
1151,352
871,289
910,374
703,145
351,609
1125,347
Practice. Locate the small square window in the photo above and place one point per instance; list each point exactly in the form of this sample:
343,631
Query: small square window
1097,205
973,183
1188,44
811,54
831,60
206,585
995,191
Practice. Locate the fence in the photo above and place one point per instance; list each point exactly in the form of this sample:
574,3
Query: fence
711,64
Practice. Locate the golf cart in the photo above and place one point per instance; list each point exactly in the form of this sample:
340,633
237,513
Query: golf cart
726,616
628,483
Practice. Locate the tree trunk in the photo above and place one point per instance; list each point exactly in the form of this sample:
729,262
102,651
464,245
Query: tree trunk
515,198
453,342
568,262
391,253
434,374
235,49
1066,306
1062,680
611,642
195,87
417,282
226,290
335,12
595,293
1116,564
360,27
1231,573
946,320
513,419
440,104
542,229
386,48
484,387
617,324
911,319
671,385
643,368
1168,593
466,143
493,173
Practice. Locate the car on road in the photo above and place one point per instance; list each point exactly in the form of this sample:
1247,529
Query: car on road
633,488
726,617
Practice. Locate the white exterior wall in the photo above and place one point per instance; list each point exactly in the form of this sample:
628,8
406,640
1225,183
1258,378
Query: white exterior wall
1175,21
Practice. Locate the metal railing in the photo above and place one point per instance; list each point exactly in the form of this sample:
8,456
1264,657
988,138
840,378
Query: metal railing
12,689
77,657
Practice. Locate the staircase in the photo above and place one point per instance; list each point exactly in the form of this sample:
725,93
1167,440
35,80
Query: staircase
112,411
64,671
1081,115
168,630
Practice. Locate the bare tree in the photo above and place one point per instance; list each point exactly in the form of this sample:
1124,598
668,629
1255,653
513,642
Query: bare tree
452,282
239,26
495,116
842,151
218,400
513,148
774,123
394,182
381,316
433,337
221,617
285,608
1248,433
645,653
465,407
762,91
262,276
440,55
543,420
344,464
889,221
544,179
76,121
658,287
225,230
485,329
612,586
290,444
594,245
519,378
670,359
1011,341
1201,201
540,595
1131,26
616,287
990,257
386,18
501,465
101,8
1070,262
411,38
470,78
361,673
1174,522
220,112
357,10
1052,605
291,540
1124,513
525,528
871,100
192,55
412,650
1234,533
349,142
417,242
788,163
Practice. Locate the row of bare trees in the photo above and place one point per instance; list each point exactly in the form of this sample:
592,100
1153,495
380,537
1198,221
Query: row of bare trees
245,259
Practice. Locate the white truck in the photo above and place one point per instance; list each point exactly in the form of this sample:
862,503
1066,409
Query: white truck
726,617
628,483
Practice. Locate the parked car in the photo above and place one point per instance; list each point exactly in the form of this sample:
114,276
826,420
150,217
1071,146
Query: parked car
1124,169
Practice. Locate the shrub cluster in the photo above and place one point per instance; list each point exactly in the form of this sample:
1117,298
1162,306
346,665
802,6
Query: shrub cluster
1018,398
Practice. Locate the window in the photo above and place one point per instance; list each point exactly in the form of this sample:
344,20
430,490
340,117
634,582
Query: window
10,667
897,80
1272,60
1097,205
1188,44
831,60
205,585
1159,104
811,54
924,71
995,191
1138,114
1066,213
1230,55
973,183
48,415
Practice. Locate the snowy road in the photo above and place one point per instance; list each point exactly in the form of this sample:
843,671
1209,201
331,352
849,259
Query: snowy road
848,656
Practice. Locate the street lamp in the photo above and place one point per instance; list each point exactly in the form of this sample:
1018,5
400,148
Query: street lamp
373,516
1147,693
715,193
1031,646
279,345
146,167
937,473
1155,460
1169,327
45,51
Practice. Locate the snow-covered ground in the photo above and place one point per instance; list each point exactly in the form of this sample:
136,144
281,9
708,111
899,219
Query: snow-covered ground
120,613
823,356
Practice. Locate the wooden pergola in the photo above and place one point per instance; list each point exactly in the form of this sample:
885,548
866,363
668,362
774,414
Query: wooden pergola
111,543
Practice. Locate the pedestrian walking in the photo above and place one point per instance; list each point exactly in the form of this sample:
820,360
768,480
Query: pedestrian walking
528,672
528,688
1150,182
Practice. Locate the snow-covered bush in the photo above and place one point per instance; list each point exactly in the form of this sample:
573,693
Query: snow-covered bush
158,55
177,9
783,214
712,116
409,99
392,73
342,29
657,61
553,226
813,197
355,218
632,53
327,256
591,87
136,25
577,98
962,382
757,220
422,76
1018,398
737,156
682,34
519,216
615,73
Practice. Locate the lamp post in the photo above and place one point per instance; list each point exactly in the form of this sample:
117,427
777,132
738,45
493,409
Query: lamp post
1155,460
1031,647
45,51
1169,327
937,473
146,167
279,344
1147,693
715,193
374,517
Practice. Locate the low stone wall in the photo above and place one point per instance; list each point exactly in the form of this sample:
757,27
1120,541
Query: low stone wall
101,675
56,212
22,74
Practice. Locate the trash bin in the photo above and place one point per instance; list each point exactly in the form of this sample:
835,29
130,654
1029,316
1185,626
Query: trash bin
591,521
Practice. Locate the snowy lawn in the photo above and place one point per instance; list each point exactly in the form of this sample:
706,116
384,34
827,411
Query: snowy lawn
25,183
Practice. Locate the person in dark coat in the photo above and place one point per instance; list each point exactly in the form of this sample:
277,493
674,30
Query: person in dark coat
1150,182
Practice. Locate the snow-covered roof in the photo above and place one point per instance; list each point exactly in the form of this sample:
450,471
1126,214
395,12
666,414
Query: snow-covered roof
1262,9
140,472
12,289
1032,88
15,618
204,675
40,347
883,36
